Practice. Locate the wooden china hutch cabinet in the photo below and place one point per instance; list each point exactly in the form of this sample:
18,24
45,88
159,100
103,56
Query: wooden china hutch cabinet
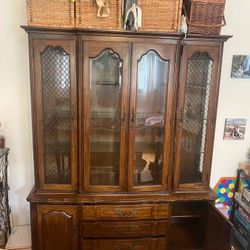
123,127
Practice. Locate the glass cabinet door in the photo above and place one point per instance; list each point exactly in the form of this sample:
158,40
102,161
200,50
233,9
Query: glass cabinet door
197,106
150,116
55,97
105,107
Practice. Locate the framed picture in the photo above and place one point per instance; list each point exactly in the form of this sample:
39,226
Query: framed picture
234,129
240,66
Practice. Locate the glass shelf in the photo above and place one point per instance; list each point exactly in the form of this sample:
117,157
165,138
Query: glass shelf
103,83
103,115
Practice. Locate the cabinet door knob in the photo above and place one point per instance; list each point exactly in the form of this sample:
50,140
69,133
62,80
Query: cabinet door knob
123,115
180,117
133,115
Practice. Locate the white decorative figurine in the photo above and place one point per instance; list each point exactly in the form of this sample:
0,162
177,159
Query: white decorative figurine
184,27
103,8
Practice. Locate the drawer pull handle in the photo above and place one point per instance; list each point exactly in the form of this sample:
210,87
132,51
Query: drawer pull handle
128,230
125,214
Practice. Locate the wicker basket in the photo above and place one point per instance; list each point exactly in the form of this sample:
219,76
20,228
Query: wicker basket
86,15
55,13
205,16
160,15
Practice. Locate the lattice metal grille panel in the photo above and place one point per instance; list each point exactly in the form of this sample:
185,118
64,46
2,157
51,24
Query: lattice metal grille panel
198,85
56,114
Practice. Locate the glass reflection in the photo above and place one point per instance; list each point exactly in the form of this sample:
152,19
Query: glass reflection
150,117
105,98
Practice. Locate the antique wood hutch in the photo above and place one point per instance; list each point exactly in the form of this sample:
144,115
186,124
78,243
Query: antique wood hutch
123,128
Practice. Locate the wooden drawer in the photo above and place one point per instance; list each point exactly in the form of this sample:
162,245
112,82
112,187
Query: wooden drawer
136,244
125,212
124,229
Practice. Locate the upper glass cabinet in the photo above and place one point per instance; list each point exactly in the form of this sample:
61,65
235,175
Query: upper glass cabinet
198,85
122,114
149,117
196,117
56,117
56,114
105,118
105,106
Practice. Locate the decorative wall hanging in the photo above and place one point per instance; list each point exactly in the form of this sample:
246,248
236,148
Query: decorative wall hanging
241,66
234,129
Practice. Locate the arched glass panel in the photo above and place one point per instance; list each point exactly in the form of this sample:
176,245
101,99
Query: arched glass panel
198,85
151,95
105,113
55,76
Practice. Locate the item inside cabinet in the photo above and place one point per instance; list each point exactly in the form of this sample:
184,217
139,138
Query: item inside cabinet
148,168
146,173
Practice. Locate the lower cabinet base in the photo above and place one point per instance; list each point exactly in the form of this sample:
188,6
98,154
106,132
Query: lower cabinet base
147,226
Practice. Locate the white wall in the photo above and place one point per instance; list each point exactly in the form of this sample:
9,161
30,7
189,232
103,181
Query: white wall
15,112
234,98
